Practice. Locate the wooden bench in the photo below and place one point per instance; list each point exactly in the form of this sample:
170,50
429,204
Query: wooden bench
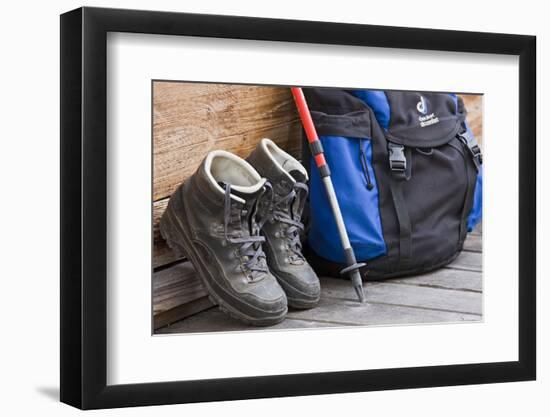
189,120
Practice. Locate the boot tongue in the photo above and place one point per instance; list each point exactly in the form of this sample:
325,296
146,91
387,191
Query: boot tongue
250,196
297,207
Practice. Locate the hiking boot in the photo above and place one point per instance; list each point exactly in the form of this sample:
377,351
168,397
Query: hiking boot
282,208
211,219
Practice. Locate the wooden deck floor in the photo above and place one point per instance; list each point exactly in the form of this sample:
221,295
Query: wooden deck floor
451,294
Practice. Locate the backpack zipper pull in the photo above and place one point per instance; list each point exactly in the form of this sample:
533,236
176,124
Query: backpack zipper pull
363,158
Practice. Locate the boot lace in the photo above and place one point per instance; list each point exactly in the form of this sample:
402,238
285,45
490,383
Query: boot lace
250,248
282,211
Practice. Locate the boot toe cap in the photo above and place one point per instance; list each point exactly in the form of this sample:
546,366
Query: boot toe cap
266,303
301,285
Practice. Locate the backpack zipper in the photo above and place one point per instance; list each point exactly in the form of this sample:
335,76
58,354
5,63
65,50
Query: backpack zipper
364,163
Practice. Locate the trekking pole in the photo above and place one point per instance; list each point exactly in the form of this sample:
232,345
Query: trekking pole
352,270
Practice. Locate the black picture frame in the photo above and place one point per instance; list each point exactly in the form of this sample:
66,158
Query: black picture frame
84,207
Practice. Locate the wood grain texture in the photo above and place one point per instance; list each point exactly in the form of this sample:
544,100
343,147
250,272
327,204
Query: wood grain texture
474,243
329,313
426,297
175,286
468,261
445,278
162,254
474,106
191,119
450,294
166,318
215,320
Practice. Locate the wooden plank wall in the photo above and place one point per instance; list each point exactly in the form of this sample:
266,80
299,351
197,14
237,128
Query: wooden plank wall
191,119
474,106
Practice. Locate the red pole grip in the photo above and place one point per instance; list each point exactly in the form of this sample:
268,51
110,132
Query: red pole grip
307,122
305,115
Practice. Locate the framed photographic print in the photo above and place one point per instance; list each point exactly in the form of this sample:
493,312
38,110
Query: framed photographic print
257,208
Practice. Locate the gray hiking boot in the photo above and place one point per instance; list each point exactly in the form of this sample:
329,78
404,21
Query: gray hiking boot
211,219
283,208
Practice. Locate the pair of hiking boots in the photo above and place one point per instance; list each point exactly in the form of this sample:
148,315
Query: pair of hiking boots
227,214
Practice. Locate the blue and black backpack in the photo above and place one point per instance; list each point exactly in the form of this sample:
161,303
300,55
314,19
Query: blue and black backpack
407,173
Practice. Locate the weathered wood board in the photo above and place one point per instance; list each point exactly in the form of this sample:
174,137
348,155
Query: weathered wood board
329,313
162,254
474,106
174,286
192,119
450,294
177,293
473,243
404,301
447,278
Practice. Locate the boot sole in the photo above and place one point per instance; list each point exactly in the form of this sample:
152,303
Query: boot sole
173,232
302,304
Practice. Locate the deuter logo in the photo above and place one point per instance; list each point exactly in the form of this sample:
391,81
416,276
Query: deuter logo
425,119
421,106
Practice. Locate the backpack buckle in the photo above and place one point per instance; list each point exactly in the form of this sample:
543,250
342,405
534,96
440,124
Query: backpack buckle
398,161
469,140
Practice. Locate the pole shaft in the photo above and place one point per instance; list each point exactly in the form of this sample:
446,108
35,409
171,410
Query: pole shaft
316,149
337,213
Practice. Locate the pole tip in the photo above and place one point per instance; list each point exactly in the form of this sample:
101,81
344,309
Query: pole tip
360,293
